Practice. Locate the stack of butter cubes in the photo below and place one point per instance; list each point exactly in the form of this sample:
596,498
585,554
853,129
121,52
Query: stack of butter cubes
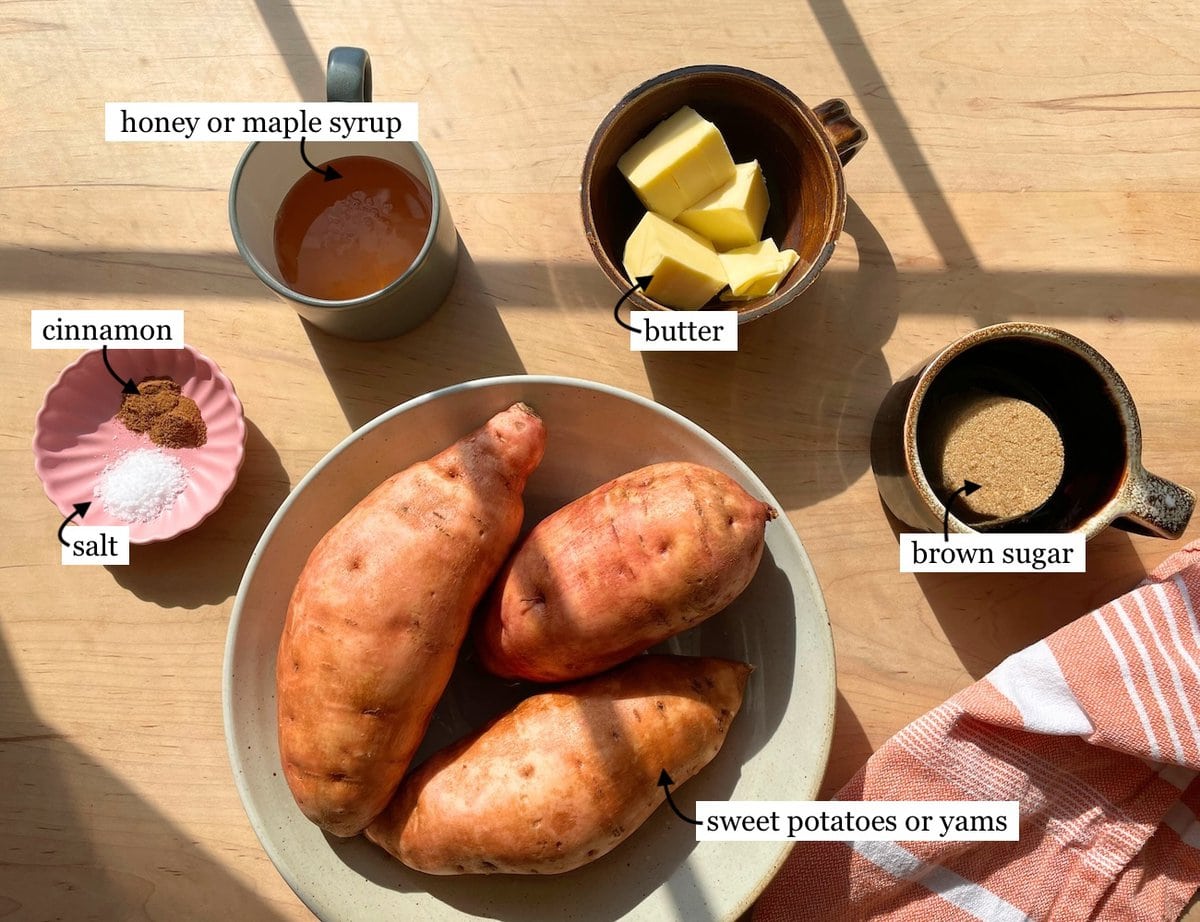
706,213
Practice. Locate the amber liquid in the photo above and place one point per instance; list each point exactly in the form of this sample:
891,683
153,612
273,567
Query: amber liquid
352,236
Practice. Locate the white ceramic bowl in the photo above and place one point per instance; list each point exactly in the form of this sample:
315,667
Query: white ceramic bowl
776,749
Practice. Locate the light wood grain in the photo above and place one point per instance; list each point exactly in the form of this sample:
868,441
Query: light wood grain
1026,162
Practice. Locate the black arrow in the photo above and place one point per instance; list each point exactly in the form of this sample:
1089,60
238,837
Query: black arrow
643,282
665,782
968,487
80,510
127,385
328,172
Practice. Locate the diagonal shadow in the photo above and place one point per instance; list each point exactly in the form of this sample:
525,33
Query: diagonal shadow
749,399
891,129
533,283
302,60
83,845
464,339
224,542
58,787
774,411
80,270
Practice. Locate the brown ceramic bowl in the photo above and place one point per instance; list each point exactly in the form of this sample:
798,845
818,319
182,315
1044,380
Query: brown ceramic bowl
801,151
1103,481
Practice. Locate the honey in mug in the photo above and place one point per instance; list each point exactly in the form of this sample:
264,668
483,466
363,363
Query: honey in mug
346,238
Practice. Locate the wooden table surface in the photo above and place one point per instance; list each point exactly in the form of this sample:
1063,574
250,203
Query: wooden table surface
1024,163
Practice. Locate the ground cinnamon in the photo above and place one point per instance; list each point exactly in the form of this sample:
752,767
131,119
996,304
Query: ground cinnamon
181,427
155,397
161,411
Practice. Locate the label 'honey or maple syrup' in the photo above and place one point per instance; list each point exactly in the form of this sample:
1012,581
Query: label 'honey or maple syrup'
349,237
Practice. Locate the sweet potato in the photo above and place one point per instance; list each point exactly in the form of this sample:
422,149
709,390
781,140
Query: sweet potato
630,564
567,775
380,611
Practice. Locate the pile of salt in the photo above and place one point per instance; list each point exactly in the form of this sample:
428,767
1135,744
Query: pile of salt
141,485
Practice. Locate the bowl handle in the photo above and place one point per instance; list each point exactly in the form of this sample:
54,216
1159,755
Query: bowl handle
348,75
1158,507
846,132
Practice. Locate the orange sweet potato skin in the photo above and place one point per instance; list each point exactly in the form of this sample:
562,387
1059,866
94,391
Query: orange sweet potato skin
637,560
567,775
379,613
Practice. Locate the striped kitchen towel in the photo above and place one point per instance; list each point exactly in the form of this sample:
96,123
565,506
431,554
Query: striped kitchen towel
1095,731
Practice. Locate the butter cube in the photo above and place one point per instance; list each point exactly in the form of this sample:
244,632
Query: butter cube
679,162
755,271
733,215
687,270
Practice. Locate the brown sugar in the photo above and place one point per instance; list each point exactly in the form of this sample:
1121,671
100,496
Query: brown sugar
160,410
1008,446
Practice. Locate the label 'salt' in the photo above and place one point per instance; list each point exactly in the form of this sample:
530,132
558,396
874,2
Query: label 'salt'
106,545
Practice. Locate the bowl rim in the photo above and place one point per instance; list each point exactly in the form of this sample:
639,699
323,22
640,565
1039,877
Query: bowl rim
348,304
40,455
234,743
754,309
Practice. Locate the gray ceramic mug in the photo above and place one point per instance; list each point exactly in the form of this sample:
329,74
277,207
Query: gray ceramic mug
1103,481
268,170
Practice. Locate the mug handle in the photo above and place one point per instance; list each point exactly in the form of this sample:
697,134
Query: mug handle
1158,507
348,75
844,130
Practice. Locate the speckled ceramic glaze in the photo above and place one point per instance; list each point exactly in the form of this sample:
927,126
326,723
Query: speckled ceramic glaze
776,749
76,435
1104,481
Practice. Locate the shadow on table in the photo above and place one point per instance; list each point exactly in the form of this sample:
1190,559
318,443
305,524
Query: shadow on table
891,130
552,288
796,402
851,748
82,845
812,368
156,272
989,616
465,339
205,566
306,67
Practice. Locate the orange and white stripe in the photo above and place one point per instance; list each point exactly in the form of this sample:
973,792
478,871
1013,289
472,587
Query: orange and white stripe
1095,730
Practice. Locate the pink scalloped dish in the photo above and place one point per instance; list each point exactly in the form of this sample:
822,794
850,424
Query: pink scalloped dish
77,436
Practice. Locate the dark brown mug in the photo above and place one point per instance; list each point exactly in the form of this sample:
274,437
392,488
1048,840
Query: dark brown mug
1103,479
801,152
